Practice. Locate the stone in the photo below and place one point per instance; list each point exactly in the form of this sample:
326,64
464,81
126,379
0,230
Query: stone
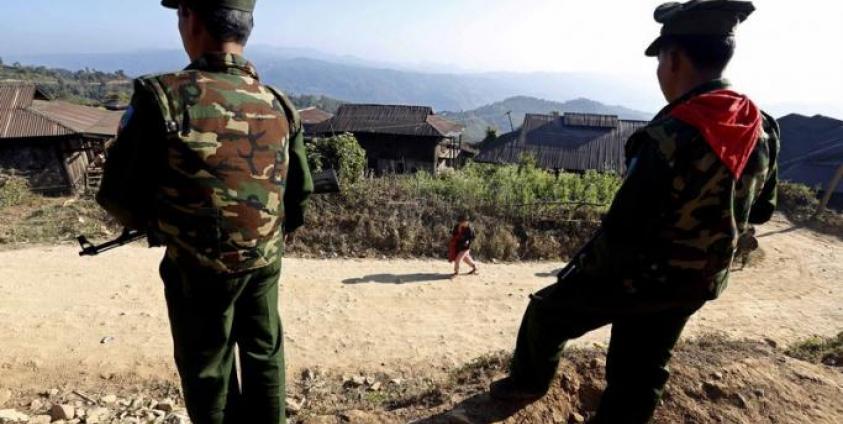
177,418
577,418
5,396
40,419
36,405
97,415
597,363
62,412
293,406
52,392
11,416
166,405
109,399
714,391
376,387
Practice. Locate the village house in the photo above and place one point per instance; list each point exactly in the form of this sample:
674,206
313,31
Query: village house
570,142
53,144
312,116
812,152
399,139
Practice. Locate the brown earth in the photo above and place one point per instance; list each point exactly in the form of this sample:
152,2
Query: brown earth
100,325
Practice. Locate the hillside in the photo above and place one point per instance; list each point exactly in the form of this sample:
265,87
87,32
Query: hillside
306,72
495,115
85,86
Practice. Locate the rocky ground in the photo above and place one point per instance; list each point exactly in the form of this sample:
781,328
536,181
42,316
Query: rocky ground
714,380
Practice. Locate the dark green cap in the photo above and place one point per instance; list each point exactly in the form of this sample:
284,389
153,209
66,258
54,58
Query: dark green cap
700,17
244,5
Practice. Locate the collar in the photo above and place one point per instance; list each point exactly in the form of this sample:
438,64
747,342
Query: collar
713,85
224,62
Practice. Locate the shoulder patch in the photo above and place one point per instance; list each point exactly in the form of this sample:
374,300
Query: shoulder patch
127,117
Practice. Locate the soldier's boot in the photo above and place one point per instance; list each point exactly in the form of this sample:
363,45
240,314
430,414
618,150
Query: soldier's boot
508,390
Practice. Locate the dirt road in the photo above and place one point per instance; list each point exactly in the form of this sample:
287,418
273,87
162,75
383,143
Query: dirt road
64,317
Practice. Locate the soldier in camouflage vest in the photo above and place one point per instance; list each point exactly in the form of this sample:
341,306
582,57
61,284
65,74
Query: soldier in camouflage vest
211,164
698,176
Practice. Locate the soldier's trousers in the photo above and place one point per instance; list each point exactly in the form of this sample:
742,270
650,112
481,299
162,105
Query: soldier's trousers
210,314
645,330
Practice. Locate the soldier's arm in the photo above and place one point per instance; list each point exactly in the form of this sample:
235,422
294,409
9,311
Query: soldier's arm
642,198
299,184
767,202
129,178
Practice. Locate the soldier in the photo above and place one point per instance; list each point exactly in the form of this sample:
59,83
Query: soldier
211,163
697,176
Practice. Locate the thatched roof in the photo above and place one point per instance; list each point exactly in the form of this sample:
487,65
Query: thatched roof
574,142
389,119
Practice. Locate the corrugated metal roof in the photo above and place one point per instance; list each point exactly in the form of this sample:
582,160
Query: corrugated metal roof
557,145
313,115
25,113
388,119
812,149
22,123
81,119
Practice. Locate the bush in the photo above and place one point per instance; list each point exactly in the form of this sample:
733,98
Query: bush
828,351
341,152
799,203
14,191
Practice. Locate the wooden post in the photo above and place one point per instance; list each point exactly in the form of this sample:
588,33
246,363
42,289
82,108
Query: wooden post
832,186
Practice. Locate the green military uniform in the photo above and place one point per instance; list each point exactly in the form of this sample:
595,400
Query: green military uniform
665,247
211,163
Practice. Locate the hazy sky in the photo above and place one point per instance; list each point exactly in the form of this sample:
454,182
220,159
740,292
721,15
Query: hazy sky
788,51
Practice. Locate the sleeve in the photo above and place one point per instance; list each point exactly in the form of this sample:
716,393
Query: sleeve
640,203
129,179
299,184
764,207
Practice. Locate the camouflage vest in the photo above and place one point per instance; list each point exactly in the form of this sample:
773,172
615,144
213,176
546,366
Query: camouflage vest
221,201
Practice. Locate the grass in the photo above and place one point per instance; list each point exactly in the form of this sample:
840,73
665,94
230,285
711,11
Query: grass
819,350
26,217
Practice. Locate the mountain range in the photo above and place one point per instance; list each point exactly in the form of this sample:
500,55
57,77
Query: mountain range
303,71
445,88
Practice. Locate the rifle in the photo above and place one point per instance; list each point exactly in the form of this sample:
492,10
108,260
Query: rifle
325,182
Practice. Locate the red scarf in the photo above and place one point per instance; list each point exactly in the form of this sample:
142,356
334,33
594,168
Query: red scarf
729,122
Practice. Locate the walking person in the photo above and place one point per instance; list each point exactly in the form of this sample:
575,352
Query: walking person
698,176
211,164
459,249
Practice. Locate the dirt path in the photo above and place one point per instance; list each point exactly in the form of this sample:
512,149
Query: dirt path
64,317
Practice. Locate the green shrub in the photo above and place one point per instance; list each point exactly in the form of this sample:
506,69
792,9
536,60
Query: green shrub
14,191
341,152
828,351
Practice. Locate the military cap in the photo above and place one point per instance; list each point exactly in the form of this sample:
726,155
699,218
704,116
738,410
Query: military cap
244,5
700,17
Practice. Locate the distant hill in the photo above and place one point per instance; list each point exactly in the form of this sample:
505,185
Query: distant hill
495,115
305,72
87,86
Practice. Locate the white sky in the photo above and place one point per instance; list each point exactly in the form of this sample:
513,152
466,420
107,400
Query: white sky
788,51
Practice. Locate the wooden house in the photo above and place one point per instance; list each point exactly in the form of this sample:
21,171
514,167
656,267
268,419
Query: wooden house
569,142
398,139
52,144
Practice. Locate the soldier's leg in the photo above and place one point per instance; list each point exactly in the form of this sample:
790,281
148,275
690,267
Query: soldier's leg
257,325
201,311
636,369
555,315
